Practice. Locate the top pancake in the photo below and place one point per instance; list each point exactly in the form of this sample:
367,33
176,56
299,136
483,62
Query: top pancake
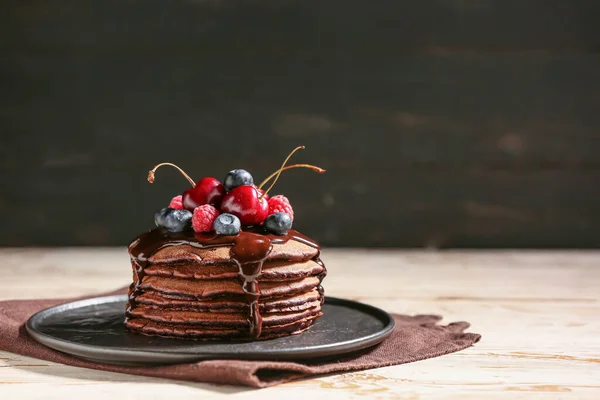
291,250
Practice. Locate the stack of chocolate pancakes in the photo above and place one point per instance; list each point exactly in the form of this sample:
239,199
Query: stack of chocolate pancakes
206,286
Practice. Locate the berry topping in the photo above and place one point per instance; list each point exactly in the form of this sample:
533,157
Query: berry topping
207,191
279,223
204,218
245,202
173,220
280,203
242,202
176,203
237,177
227,224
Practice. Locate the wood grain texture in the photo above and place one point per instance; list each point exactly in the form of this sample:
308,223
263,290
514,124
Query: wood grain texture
538,312
477,119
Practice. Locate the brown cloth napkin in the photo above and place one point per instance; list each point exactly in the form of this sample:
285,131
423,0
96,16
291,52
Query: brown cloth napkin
414,338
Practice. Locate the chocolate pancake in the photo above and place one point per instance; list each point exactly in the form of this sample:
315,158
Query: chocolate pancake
295,302
248,286
169,330
220,319
288,251
223,287
271,270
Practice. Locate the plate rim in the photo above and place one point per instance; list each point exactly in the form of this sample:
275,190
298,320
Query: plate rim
122,356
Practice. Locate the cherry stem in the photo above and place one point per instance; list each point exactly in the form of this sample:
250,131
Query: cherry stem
279,171
313,167
151,173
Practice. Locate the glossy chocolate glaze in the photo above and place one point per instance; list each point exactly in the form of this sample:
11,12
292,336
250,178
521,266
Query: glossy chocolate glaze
249,249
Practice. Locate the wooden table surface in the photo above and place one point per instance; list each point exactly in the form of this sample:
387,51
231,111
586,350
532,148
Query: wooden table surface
538,312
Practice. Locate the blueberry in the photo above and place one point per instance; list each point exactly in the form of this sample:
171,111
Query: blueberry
159,217
237,177
177,220
278,223
227,224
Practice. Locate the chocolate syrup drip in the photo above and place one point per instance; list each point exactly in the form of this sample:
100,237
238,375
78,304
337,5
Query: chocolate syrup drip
321,276
249,250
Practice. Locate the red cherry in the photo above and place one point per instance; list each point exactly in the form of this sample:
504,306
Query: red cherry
207,191
245,203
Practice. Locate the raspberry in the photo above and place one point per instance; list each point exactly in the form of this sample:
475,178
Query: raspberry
176,203
204,218
280,203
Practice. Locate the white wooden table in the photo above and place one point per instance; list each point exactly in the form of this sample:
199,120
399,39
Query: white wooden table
538,312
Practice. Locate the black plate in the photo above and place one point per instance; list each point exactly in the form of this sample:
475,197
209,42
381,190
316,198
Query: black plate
93,329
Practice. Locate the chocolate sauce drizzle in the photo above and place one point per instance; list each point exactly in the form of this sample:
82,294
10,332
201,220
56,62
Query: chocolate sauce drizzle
249,250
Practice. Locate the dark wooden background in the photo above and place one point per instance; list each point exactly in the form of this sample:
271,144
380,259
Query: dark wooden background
448,123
